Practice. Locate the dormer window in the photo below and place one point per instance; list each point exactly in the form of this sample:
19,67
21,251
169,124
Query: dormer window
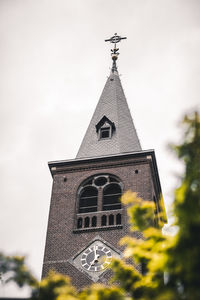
105,128
105,132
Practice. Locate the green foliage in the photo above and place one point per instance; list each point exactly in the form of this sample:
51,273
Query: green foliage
13,268
178,257
99,292
140,212
55,287
184,258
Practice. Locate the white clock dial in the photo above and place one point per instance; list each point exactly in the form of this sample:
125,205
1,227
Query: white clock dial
96,258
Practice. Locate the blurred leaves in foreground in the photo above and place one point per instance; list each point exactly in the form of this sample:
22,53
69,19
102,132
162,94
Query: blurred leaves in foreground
13,268
170,264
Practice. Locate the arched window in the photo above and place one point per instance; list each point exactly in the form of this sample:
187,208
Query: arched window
118,219
87,222
79,223
100,192
103,220
111,220
111,196
88,199
94,221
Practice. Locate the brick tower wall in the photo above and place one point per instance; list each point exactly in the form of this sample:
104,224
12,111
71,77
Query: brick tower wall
136,172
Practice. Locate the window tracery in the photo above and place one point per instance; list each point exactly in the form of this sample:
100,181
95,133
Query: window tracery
99,202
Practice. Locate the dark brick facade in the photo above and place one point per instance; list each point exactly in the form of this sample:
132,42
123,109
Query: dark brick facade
137,172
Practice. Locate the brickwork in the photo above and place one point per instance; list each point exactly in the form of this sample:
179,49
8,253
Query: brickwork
137,172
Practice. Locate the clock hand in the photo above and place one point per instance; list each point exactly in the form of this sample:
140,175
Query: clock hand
96,256
95,252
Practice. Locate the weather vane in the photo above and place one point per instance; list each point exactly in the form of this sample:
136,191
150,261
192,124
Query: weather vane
114,52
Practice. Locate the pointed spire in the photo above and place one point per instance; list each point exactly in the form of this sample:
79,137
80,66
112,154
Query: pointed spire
111,129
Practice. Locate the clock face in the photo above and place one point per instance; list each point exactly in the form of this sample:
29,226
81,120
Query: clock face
96,258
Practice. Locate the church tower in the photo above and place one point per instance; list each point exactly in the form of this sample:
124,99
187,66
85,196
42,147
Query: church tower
86,218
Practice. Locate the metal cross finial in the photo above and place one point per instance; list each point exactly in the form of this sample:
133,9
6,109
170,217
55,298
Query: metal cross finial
114,52
115,39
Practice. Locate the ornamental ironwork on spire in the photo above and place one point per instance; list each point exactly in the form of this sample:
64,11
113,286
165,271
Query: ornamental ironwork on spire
114,52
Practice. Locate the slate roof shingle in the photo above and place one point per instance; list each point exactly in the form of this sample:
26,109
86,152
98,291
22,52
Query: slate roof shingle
113,105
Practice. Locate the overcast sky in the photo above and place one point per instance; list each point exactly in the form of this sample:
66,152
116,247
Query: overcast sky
53,66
